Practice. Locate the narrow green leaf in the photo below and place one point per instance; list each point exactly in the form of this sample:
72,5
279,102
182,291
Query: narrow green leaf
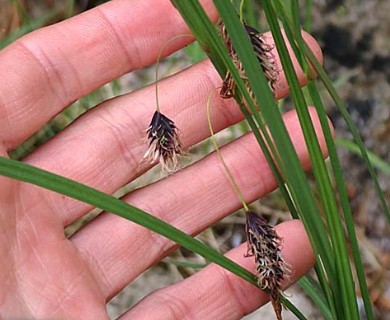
211,42
300,189
343,196
222,61
355,133
376,161
344,200
24,172
315,293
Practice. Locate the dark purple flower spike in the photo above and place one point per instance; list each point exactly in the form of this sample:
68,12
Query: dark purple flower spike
265,245
164,142
263,54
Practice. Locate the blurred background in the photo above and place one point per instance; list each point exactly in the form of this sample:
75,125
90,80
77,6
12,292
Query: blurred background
354,38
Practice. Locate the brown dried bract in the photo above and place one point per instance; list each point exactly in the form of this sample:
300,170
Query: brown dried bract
265,245
264,56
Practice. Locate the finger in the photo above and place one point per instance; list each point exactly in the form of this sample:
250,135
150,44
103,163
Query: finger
49,69
281,86
192,200
104,148
215,293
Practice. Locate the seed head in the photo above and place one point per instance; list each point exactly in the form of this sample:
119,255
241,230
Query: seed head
263,54
265,245
164,142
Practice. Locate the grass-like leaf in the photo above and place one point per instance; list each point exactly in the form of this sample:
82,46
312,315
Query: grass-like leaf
343,288
334,274
344,201
24,172
316,294
352,128
350,297
376,161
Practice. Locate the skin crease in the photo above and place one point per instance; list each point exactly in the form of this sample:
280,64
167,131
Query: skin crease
45,275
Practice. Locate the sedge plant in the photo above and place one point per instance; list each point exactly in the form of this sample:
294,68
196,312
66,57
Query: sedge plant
324,210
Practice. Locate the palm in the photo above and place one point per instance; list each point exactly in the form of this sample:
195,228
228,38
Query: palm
45,275
52,276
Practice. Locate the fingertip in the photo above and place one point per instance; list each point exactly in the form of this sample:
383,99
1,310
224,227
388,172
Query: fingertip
313,45
316,50
281,86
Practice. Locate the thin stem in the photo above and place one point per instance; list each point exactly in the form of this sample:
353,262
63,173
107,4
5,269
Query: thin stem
215,143
158,62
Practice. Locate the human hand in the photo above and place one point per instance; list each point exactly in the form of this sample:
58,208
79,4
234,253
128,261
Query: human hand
45,275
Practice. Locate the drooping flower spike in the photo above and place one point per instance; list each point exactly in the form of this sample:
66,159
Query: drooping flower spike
263,54
265,245
164,142
162,133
